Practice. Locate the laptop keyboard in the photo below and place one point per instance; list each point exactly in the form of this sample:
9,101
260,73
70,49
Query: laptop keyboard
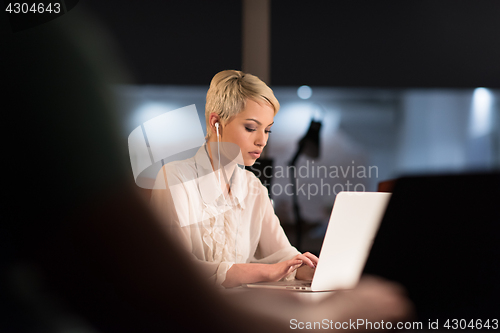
300,283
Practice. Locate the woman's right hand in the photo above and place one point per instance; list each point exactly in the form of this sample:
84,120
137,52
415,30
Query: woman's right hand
280,270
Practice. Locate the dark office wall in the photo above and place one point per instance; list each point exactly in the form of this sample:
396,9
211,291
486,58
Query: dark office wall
173,42
411,43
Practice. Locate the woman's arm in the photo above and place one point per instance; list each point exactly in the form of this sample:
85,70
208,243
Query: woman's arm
274,245
249,273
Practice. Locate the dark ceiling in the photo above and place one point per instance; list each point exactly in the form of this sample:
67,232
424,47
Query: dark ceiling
411,43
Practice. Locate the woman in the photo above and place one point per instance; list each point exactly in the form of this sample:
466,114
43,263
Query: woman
221,212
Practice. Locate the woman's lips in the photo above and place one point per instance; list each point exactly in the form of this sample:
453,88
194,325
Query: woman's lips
254,154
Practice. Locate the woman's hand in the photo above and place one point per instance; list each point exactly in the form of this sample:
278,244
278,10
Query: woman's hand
306,260
307,269
276,272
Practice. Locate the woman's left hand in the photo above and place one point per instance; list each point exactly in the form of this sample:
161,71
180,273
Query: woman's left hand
306,271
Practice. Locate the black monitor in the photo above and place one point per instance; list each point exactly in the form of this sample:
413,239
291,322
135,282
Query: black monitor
440,238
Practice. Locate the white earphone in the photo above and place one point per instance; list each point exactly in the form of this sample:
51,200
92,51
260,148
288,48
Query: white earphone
220,186
218,150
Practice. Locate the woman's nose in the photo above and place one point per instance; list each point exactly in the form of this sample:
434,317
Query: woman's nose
261,139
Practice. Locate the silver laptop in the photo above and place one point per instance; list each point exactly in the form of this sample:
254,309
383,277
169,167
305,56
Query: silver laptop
351,230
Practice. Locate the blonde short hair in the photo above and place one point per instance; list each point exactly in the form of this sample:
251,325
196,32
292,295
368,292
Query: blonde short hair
229,91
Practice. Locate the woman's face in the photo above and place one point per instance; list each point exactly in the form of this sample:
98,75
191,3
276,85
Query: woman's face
250,129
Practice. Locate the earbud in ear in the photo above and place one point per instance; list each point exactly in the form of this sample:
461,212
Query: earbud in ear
217,128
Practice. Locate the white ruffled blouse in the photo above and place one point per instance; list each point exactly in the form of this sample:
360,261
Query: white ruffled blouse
219,230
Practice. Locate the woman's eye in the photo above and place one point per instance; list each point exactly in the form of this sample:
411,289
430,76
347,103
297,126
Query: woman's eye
249,129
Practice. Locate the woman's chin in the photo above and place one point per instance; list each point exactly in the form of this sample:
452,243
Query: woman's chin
249,162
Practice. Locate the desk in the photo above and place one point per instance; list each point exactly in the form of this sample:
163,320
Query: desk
301,296
284,305
296,309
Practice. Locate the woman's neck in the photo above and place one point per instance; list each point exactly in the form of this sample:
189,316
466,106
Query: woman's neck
226,169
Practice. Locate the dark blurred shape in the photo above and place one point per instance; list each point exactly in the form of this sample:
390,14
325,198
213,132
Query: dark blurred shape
310,146
386,185
80,251
439,238
69,4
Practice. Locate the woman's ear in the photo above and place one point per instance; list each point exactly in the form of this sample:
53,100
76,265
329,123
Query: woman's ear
214,119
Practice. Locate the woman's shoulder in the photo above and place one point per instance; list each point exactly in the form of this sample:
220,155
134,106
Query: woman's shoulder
254,183
250,176
182,170
187,164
